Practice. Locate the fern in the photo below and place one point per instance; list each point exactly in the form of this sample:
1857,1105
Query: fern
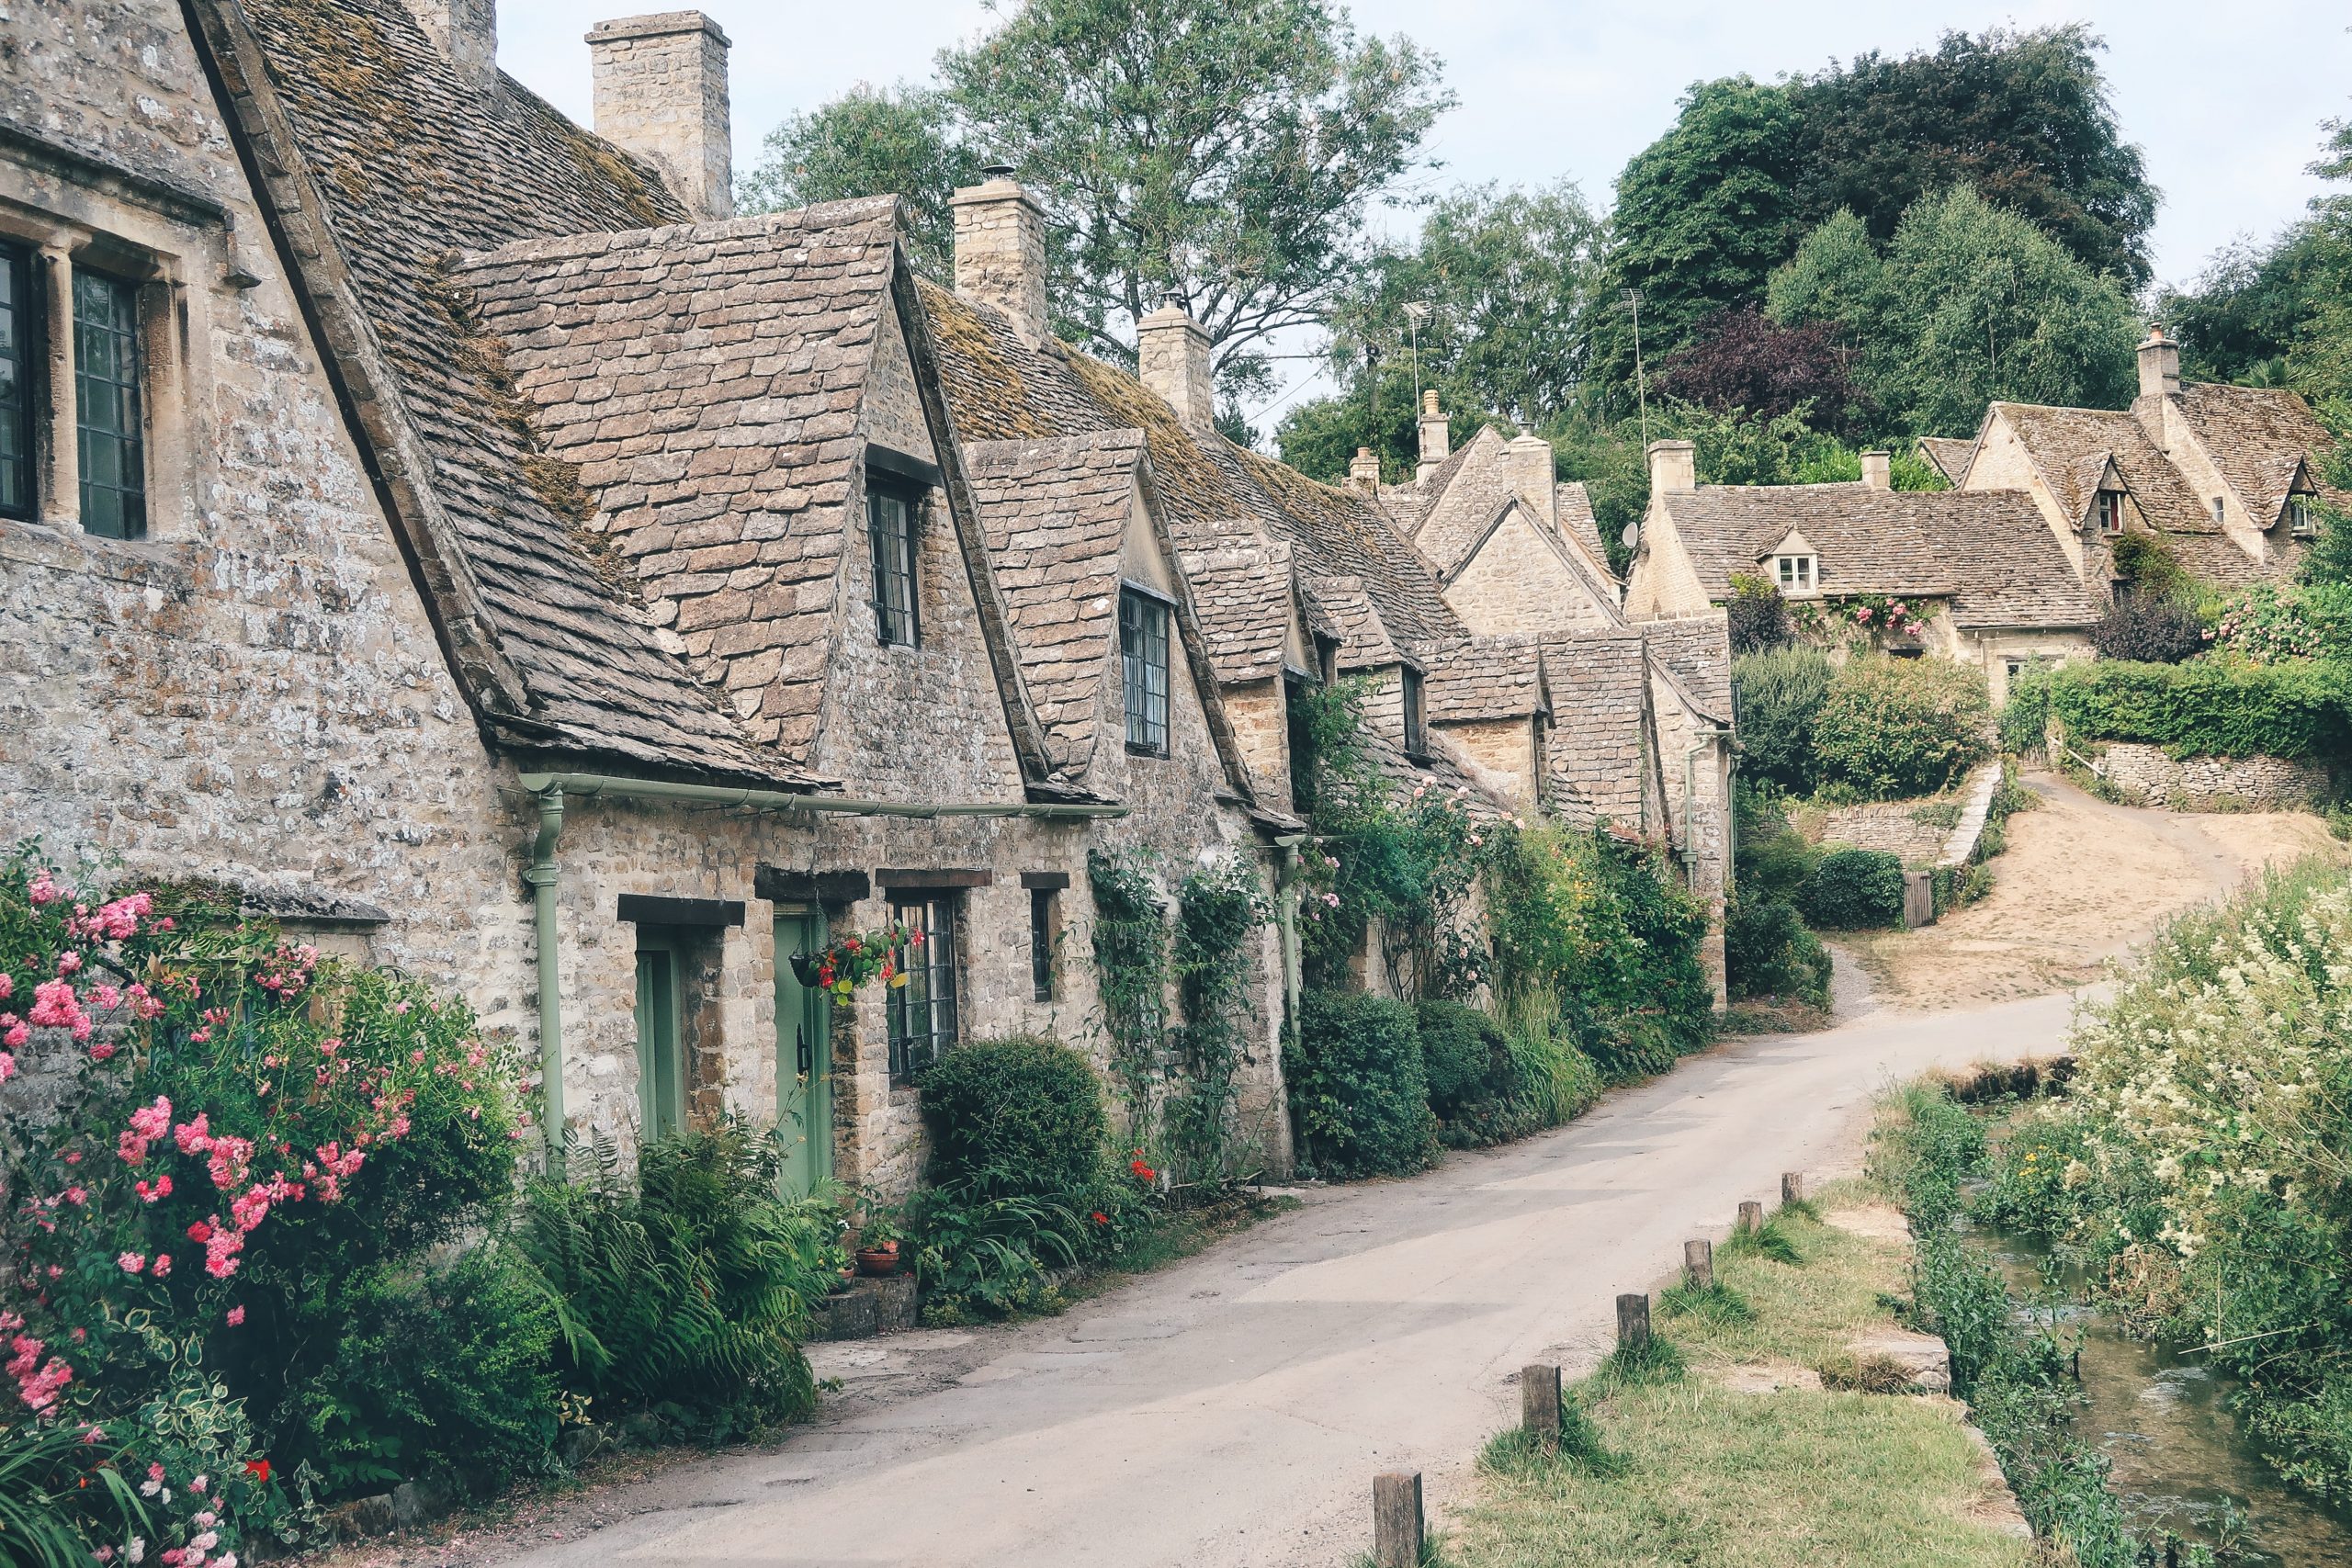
59,1494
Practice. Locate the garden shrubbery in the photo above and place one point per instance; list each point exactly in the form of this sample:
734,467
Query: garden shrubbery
1892,727
2208,708
1023,1112
1769,954
2150,631
1854,890
1359,1094
1779,693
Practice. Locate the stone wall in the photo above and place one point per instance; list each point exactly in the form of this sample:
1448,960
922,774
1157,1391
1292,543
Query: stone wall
2147,775
1891,825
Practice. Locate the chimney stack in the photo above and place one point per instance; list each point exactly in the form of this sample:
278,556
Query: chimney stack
1172,358
1364,471
1435,443
2159,365
1001,250
466,32
1878,469
1674,465
661,92
1528,459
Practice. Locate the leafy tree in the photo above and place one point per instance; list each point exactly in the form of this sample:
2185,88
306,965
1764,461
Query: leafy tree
1226,154
899,142
1760,616
1967,304
1742,359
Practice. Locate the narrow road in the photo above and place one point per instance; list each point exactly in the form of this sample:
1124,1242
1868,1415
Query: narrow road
1232,1409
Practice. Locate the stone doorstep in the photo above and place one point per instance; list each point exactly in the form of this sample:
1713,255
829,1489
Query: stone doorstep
865,1307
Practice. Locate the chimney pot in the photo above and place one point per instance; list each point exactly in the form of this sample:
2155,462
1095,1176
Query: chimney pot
1172,359
1001,250
1878,469
1363,470
466,32
1435,442
1674,465
661,92
2159,365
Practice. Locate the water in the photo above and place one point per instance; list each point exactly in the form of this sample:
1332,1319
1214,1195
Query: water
2181,1461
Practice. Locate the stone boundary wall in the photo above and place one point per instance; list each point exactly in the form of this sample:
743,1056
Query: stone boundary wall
1887,825
2146,775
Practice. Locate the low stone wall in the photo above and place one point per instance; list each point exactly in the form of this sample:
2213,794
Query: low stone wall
1892,826
2145,774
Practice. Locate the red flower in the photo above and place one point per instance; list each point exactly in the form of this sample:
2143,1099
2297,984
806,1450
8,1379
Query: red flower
199,1232
1101,1218
259,1469
1143,1172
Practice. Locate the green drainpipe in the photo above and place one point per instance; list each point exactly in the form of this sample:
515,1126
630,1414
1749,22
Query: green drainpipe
543,875
1287,906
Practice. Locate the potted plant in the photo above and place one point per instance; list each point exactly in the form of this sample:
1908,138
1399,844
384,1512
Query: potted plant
877,1246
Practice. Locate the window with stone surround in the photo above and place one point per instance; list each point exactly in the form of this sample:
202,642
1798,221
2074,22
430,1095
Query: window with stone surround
1417,733
1045,921
20,326
891,516
110,423
1794,573
1142,661
2300,522
922,1012
2108,508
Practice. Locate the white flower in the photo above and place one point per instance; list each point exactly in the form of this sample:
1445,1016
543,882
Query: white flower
135,1550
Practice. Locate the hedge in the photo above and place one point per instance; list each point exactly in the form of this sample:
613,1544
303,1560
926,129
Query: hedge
1026,1113
1893,727
2208,708
1358,1098
1852,889
1768,953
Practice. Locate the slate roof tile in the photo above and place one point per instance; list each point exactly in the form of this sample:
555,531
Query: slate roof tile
1594,758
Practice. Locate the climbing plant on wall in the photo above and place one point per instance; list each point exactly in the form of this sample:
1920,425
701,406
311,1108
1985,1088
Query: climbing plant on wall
1221,910
1131,978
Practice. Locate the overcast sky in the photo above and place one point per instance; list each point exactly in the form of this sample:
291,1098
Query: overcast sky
2226,100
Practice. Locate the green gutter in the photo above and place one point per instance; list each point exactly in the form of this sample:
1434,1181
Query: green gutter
544,874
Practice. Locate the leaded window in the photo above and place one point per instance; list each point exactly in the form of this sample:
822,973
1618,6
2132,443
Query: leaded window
1042,925
2108,508
1143,658
19,317
1416,732
111,440
890,518
922,1012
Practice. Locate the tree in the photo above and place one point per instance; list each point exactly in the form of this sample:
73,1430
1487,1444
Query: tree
899,142
1228,154
1968,303
1707,212
1742,359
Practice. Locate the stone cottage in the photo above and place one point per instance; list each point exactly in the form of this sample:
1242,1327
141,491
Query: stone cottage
459,531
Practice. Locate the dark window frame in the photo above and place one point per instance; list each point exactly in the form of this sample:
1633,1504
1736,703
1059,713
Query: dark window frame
110,404
923,1013
1415,699
23,348
895,559
1044,923
1144,657
2107,512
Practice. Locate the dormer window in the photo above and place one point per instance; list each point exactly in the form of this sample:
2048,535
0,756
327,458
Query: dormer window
1417,734
890,517
2300,521
1794,573
1143,664
2218,519
2107,509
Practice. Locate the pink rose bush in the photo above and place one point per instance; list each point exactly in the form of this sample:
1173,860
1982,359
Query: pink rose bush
208,1129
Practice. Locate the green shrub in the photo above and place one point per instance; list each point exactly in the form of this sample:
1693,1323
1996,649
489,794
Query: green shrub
2157,631
62,1497
1556,1082
2208,708
982,1252
2025,718
1891,727
682,1291
2146,562
1778,695
1759,616
1855,890
1023,1114
1767,951
1358,1095
1772,860
1464,1057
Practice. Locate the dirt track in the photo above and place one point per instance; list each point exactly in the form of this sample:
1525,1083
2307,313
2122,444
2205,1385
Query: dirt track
2081,883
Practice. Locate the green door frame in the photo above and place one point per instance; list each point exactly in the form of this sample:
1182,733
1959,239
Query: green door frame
804,1053
660,1088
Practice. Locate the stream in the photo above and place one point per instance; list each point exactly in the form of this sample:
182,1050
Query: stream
2181,1462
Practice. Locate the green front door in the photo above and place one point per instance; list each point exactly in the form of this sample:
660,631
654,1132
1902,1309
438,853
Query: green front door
804,1057
660,1087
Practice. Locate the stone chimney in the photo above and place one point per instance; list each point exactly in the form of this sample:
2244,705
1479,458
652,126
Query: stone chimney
1364,471
1674,465
1878,469
1436,446
662,94
1528,459
2159,365
1172,358
1001,250
467,32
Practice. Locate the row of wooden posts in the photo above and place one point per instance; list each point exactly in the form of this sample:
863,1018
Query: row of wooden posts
1400,1537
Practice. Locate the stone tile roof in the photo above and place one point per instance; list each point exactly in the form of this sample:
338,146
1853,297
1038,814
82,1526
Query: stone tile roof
1364,642
1869,541
1695,652
1594,758
2071,448
1000,389
1242,593
2011,570
1460,500
2260,438
703,384
381,164
1582,530
1949,455
1485,678
1056,515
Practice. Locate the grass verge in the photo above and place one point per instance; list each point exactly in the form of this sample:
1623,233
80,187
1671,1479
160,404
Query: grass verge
1666,1470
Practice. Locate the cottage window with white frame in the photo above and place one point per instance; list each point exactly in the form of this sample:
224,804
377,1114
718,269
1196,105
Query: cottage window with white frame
1794,573
2300,521
2108,508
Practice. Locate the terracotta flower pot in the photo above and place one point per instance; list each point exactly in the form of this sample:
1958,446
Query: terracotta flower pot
879,1262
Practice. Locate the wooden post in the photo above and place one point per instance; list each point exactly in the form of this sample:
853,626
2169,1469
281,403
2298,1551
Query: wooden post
1396,1519
1792,1188
1539,1403
1751,1217
1699,1264
1633,1321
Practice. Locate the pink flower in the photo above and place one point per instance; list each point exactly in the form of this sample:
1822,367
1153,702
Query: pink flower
7,1066
101,1050
236,1317
194,1137
42,890
163,1264
77,1196
152,1121
8,985
131,1262
68,962
55,1006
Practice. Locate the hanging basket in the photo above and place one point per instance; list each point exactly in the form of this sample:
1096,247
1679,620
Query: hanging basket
840,969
